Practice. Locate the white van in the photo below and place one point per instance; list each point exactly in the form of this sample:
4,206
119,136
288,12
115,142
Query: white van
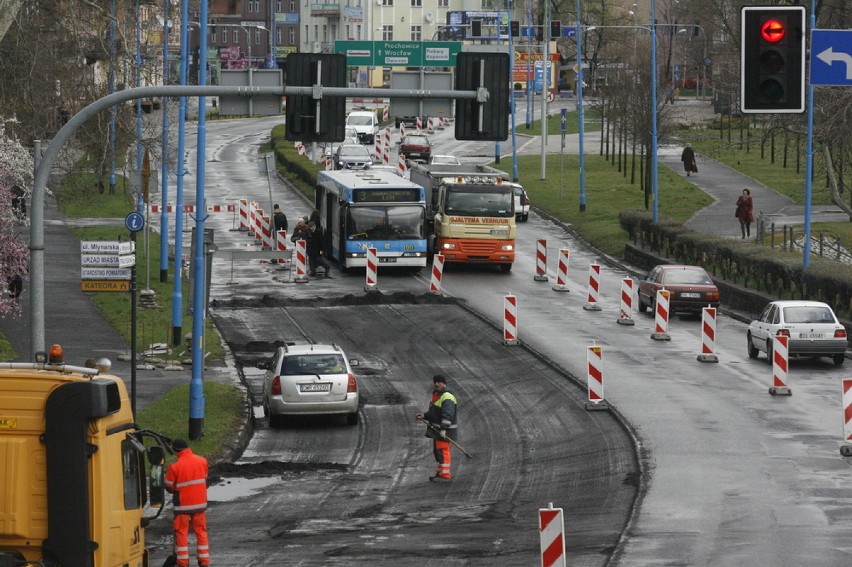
366,124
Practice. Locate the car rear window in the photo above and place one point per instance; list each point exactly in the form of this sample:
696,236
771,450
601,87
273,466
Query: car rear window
686,277
808,314
313,364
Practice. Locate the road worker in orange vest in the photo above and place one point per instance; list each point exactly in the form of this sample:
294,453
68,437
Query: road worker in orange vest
441,426
186,479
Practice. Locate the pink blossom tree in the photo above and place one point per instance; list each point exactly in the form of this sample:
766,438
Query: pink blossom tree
16,177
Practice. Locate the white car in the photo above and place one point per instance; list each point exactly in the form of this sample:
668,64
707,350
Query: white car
309,379
522,204
444,160
811,325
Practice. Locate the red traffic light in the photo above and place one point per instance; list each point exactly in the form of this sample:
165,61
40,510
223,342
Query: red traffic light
772,31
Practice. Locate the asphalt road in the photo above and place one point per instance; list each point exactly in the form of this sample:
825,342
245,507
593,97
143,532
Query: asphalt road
727,474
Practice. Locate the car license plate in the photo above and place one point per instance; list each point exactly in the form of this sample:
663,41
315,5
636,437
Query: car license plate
387,260
690,295
811,336
321,387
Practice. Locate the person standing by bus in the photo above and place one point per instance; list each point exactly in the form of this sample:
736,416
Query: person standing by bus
316,247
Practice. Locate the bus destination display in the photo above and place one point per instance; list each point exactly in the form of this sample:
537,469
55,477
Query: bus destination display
385,196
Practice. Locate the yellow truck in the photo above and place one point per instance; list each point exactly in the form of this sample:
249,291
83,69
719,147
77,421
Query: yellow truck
74,482
470,213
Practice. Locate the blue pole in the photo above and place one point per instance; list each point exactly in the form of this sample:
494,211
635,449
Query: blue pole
515,174
140,203
529,64
164,166
113,23
177,294
580,120
500,17
654,186
199,281
809,156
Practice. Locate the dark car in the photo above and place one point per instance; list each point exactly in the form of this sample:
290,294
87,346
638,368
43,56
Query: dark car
352,156
415,147
691,288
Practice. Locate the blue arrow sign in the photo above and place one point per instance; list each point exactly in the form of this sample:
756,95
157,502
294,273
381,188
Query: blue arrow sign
831,57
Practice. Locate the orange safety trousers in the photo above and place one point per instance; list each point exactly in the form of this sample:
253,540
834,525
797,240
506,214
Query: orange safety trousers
181,525
443,458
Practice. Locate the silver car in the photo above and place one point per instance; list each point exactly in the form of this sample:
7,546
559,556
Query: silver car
311,379
811,325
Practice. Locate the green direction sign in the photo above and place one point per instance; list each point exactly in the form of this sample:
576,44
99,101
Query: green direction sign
399,53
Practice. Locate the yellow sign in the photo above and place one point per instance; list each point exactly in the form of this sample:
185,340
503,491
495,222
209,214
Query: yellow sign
8,423
105,285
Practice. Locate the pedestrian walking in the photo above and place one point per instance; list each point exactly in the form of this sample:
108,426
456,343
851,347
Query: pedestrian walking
186,479
441,426
745,208
279,218
316,248
670,97
688,159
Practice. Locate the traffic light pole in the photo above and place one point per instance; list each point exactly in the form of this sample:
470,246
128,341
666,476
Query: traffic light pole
809,158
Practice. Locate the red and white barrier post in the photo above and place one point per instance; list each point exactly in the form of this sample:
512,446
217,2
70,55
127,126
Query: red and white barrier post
594,288
661,316
846,391
551,529
708,335
300,147
510,320
401,165
281,244
437,274
266,241
562,270
540,261
626,311
301,262
258,226
780,369
594,379
252,220
372,273
244,212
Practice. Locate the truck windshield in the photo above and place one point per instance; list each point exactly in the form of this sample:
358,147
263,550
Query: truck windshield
480,202
404,222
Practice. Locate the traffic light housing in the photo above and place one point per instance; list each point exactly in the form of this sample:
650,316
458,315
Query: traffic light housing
772,60
489,70
307,70
515,27
555,29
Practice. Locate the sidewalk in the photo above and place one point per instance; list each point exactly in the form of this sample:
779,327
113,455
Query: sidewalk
721,182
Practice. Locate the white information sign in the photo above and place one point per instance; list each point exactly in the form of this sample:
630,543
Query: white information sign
105,273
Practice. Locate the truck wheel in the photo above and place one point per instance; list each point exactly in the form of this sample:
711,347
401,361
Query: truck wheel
505,267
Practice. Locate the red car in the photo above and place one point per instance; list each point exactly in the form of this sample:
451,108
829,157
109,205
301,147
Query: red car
415,147
691,288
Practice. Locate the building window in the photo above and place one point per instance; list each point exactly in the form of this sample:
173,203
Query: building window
416,33
212,34
256,35
279,6
307,37
254,6
387,32
416,3
291,36
358,32
293,6
236,35
387,2
443,3
279,34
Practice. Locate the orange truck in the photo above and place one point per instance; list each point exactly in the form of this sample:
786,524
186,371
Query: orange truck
470,213
76,472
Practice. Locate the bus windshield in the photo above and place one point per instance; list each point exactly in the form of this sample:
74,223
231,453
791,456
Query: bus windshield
403,222
480,202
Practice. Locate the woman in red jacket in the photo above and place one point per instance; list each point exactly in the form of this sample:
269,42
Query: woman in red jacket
745,206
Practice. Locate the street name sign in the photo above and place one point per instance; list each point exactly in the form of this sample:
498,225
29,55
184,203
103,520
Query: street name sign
109,260
105,285
831,57
107,247
105,273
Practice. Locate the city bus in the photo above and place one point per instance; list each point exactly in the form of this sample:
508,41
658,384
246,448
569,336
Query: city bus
372,209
